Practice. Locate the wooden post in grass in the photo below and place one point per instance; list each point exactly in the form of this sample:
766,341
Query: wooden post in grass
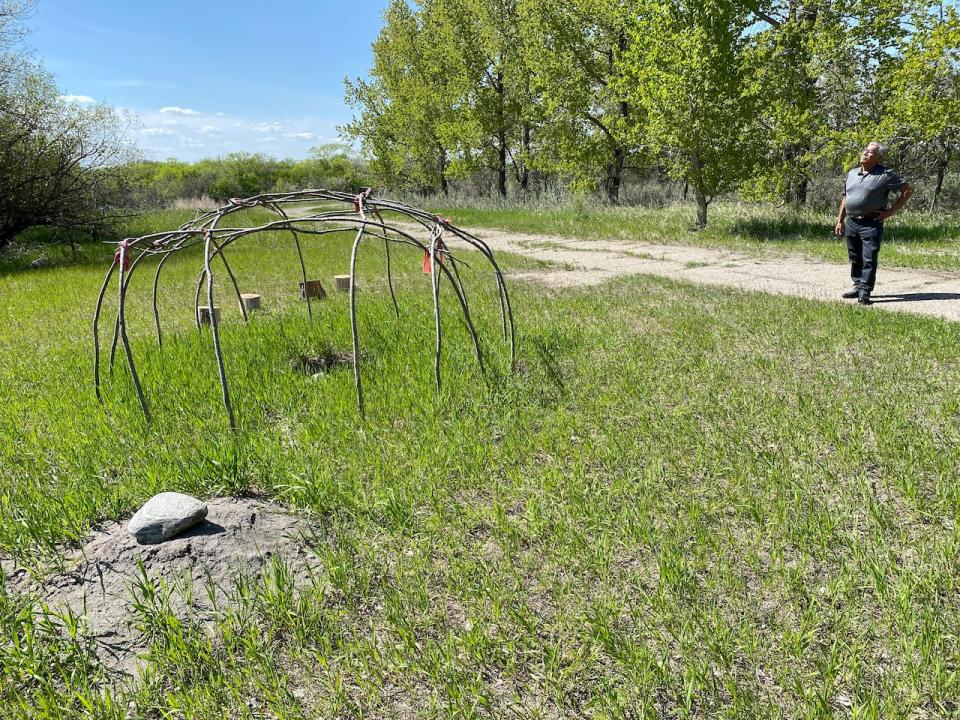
342,283
250,301
203,312
312,289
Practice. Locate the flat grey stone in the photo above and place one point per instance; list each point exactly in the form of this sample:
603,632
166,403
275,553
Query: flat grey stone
164,516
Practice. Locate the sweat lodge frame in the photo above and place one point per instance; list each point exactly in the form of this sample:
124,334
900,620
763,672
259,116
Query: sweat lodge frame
366,219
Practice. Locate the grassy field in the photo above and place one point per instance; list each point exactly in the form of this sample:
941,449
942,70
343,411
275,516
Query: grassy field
683,502
913,239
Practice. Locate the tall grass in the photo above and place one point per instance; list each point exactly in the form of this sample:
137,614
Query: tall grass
684,502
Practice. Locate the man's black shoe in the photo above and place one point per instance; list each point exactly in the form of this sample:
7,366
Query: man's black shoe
864,299
851,294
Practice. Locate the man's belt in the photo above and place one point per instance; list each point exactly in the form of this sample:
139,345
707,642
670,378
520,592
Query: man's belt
868,216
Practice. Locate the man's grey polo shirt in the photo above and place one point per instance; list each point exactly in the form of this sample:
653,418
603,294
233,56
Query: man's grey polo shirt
868,192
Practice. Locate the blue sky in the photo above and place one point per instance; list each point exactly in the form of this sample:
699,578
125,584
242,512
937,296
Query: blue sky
210,77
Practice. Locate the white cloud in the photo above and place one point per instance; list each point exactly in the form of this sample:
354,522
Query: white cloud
82,99
268,127
191,135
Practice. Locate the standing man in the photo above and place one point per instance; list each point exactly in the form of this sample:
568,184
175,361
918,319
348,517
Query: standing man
862,212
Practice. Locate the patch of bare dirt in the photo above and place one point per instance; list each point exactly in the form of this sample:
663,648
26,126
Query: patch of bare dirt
239,536
590,262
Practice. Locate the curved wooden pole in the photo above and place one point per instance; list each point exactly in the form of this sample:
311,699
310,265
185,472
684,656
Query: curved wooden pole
96,330
214,326
114,342
386,249
353,318
435,286
126,341
219,251
370,218
502,289
464,306
156,307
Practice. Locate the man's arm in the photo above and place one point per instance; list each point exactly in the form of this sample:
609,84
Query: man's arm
905,194
838,230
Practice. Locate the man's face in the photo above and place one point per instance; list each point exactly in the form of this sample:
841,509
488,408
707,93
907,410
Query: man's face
869,156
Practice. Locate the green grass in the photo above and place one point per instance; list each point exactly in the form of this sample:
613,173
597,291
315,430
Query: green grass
684,502
913,239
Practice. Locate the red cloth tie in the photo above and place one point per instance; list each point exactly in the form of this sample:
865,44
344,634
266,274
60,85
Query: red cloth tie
440,250
121,247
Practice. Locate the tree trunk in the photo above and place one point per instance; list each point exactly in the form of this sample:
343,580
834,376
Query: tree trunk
941,171
525,171
502,165
615,175
696,182
795,192
442,167
501,136
616,167
800,191
702,203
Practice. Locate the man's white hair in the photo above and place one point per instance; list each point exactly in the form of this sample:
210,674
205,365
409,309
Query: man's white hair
882,149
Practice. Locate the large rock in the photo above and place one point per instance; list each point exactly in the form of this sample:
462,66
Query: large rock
165,516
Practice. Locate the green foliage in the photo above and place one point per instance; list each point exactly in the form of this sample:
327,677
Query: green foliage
686,69
760,97
56,157
157,184
404,106
685,502
923,110
589,129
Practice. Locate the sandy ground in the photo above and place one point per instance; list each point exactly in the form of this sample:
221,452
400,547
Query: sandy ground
239,536
924,292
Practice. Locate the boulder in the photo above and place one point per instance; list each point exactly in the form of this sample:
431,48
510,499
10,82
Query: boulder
164,516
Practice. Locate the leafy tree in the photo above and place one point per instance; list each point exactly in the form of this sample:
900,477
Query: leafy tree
817,65
686,69
54,155
449,94
576,57
923,107
11,13
482,50
403,107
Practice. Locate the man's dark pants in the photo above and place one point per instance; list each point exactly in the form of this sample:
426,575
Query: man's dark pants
863,247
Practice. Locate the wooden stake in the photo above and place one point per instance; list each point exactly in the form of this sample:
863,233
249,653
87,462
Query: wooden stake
249,301
203,312
312,289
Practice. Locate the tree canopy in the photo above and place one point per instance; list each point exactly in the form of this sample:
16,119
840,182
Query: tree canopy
53,153
756,96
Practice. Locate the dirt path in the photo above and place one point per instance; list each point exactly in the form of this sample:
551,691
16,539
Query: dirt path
924,292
